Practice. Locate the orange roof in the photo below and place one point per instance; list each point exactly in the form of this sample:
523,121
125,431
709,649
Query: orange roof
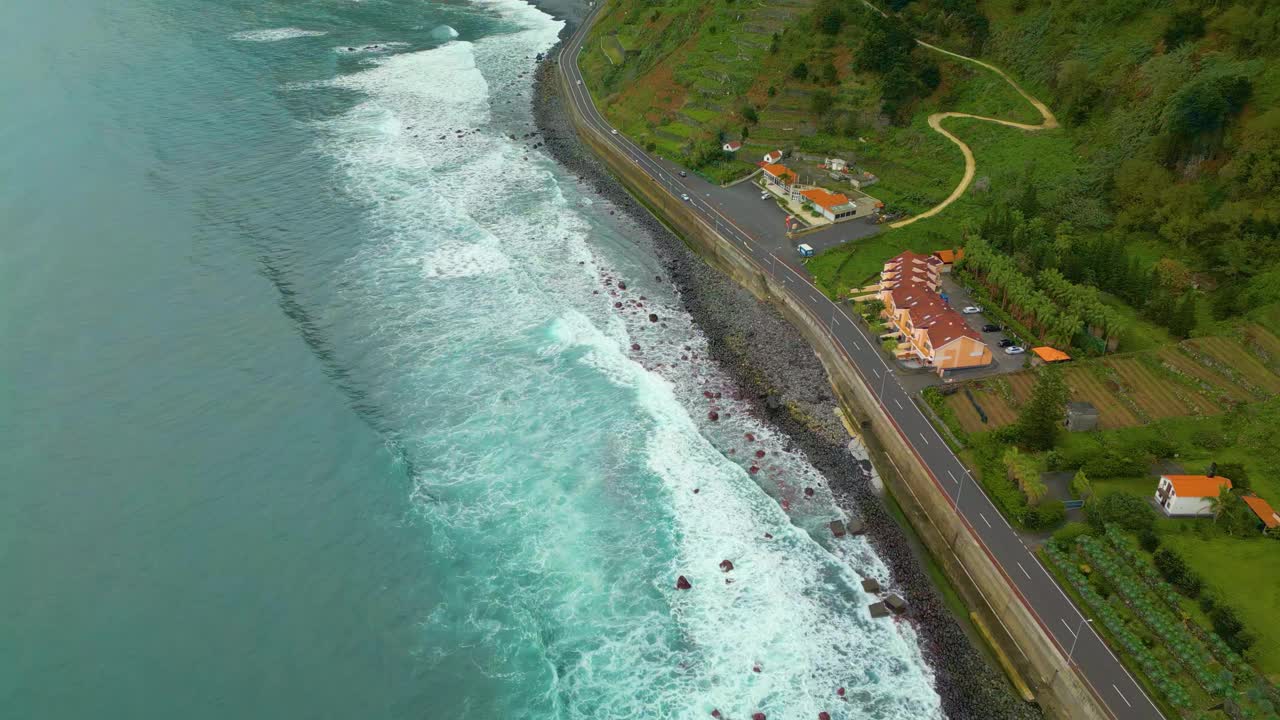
1263,510
774,156
1197,485
1050,355
782,172
825,199
949,256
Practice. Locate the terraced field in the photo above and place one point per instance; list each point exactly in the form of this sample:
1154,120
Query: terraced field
1202,377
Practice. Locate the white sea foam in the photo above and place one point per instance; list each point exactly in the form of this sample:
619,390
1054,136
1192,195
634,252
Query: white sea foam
276,34
480,269
443,32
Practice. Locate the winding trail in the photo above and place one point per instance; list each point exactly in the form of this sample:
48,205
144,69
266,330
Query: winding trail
1049,122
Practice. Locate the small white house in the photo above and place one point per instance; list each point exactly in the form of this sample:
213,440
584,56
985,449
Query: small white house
732,146
1189,495
836,164
773,157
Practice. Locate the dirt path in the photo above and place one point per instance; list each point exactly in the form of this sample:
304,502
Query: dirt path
935,121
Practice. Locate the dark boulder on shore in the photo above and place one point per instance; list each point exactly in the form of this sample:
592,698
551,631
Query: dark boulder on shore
682,583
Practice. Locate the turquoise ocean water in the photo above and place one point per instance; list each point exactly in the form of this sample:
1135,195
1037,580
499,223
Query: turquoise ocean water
314,407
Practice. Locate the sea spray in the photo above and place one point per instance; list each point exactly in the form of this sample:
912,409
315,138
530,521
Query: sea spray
557,432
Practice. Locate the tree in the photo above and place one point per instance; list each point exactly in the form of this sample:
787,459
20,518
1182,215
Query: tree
821,102
1183,319
1218,505
1235,472
831,19
1040,418
1184,26
800,71
1080,486
829,74
749,114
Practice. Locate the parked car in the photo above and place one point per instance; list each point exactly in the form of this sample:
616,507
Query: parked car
764,195
684,174
1014,350
972,309
684,196
1007,342
991,328
804,250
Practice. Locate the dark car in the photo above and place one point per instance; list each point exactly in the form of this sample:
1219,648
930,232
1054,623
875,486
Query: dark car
1007,343
991,328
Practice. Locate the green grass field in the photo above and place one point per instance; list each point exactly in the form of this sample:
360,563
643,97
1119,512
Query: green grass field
1245,572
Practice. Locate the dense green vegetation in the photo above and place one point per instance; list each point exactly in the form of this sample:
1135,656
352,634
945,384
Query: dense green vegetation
1144,235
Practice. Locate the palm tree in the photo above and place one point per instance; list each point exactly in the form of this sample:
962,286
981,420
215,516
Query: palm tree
1218,505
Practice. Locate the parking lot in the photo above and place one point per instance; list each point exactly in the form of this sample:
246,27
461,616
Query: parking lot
960,298
1004,363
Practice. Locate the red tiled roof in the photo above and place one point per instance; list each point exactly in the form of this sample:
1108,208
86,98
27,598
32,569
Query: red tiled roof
733,145
822,198
782,172
1263,510
773,157
1197,485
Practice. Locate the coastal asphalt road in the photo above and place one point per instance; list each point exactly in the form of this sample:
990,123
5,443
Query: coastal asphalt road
1057,615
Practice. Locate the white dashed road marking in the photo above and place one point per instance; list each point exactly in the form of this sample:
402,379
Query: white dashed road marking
1122,697
895,402
1024,570
984,519
925,439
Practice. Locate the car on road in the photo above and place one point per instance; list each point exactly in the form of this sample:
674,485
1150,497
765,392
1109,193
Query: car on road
1014,350
613,132
579,82
991,328
972,309
804,250
684,174
1007,343
684,196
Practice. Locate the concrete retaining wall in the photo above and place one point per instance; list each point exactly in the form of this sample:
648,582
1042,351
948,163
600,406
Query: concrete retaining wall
1059,690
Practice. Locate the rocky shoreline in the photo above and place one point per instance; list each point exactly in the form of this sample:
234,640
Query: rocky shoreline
767,356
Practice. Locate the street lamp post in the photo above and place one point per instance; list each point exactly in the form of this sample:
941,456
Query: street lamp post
1072,651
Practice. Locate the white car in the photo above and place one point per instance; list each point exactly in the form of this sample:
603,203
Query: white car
764,196
613,132
579,82
1014,350
684,196
972,310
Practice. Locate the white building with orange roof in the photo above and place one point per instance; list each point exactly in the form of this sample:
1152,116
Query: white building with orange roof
832,206
1189,495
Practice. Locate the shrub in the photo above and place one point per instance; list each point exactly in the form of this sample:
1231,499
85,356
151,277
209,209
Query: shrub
1127,510
1067,535
1148,540
1227,624
800,71
1175,570
1044,516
